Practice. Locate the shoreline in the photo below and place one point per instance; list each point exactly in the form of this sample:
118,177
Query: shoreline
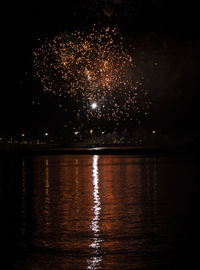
96,150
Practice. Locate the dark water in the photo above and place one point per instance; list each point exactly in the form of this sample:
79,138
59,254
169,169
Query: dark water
99,212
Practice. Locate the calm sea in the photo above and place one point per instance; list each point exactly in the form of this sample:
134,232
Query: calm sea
99,212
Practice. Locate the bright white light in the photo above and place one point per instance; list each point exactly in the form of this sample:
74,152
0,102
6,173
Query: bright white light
94,105
97,203
95,261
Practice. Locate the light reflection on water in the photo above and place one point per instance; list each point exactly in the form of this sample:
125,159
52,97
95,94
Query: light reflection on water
103,212
23,200
96,258
92,205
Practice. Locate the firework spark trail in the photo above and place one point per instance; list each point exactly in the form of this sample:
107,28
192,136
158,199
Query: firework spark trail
93,70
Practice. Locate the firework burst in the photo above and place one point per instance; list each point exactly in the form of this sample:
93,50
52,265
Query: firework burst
94,71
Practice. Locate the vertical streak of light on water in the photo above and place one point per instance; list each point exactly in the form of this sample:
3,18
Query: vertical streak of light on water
46,201
47,186
96,258
77,199
23,200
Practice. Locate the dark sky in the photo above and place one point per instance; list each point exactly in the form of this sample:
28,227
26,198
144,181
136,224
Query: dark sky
165,35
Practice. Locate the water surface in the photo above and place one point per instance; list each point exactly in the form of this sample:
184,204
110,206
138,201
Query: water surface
100,212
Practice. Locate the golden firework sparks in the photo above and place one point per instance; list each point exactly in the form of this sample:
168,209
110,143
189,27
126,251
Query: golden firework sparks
90,69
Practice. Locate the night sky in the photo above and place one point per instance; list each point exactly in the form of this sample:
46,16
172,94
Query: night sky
165,38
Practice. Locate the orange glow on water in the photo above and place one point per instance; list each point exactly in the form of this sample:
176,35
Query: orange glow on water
80,203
